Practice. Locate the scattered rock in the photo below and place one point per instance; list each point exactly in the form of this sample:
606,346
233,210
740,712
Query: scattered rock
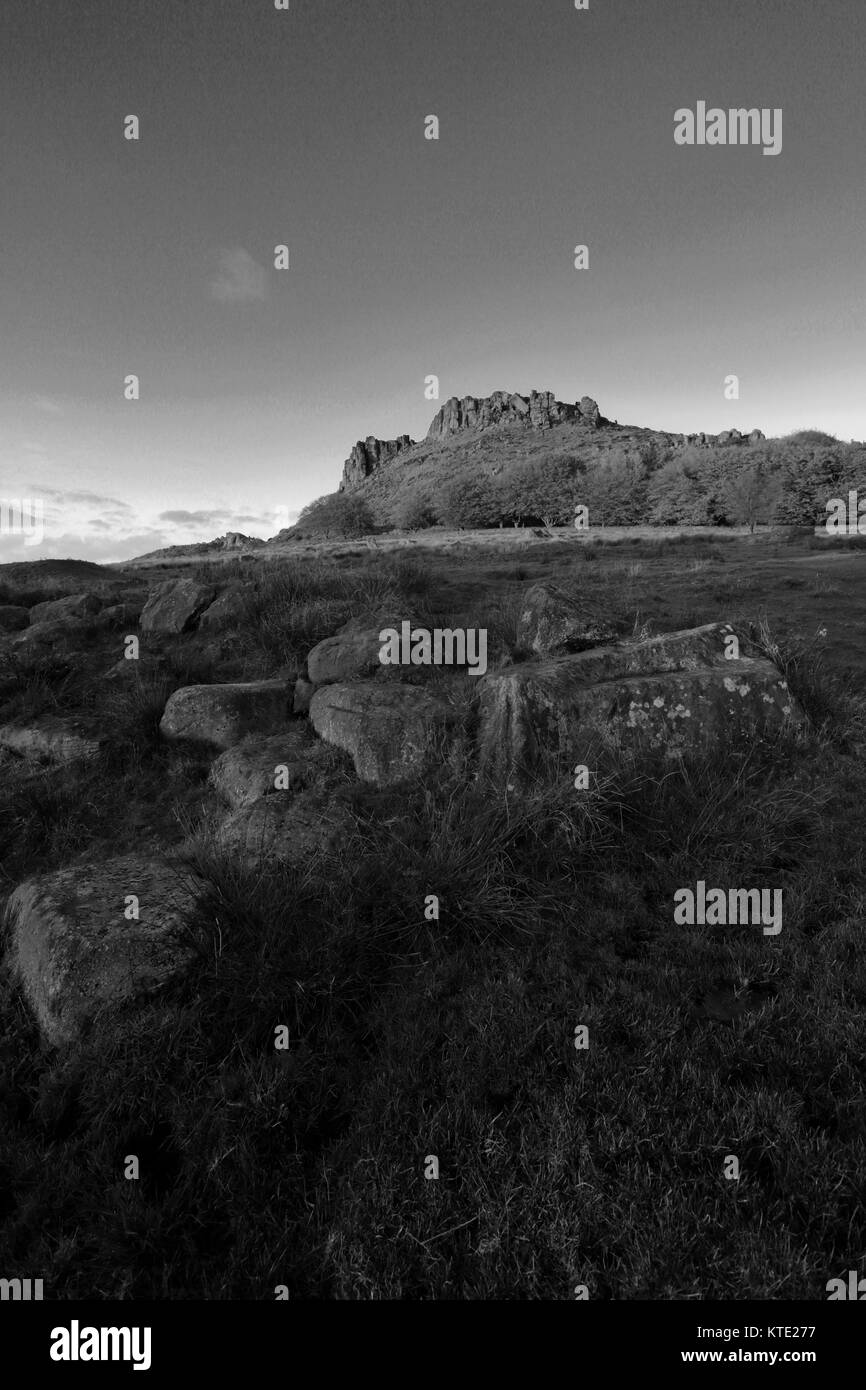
224,714
675,693
51,739
285,828
552,620
120,615
46,638
353,651
76,954
175,605
387,728
59,609
230,609
13,618
248,771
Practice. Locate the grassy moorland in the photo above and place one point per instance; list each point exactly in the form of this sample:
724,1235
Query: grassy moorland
454,1037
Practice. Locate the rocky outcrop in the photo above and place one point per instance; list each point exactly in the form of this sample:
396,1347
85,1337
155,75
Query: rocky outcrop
539,410
236,540
552,620
389,729
222,715
368,454
93,937
675,693
175,605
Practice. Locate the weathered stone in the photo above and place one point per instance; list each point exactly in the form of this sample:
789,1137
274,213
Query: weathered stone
552,620
387,728
175,605
76,953
120,615
368,455
285,828
51,739
675,693
230,609
62,634
13,618
349,653
59,609
222,715
249,771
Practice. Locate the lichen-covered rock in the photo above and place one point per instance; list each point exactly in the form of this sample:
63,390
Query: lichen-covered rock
230,609
552,620
47,638
51,739
285,828
175,605
59,609
674,693
389,729
221,715
77,952
257,767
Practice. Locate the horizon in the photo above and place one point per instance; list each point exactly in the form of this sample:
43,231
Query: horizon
407,256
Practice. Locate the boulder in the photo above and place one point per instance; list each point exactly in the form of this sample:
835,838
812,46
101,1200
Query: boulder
61,634
552,620
222,715
589,411
387,728
175,605
285,828
120,615
13,618
75,952
59,609
51,739
249,771
351,652
230,609
675,693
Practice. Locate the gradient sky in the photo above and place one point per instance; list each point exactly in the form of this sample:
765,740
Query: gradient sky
408,256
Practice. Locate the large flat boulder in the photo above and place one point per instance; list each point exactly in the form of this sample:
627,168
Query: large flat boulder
222,715
75,951
258,767
284,828
59,609
552,620
175,605
53,739
387,728
577,705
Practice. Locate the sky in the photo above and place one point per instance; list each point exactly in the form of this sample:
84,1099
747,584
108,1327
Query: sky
408,257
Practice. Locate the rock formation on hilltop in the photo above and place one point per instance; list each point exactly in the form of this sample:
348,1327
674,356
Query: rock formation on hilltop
368,454
539,410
